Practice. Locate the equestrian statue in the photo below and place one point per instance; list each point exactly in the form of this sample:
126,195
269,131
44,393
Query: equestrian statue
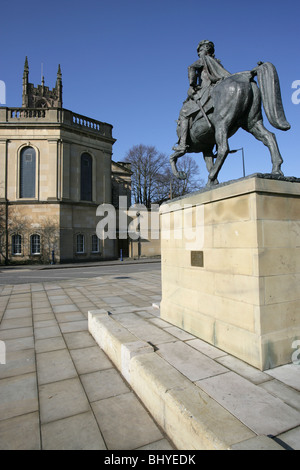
219,103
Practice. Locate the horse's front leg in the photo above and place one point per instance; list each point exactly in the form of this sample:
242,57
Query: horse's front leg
181,175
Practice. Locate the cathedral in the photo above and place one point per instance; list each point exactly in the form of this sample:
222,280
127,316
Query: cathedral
56,168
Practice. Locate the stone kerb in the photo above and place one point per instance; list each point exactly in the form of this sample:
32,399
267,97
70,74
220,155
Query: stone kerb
237,287
190,418
118,343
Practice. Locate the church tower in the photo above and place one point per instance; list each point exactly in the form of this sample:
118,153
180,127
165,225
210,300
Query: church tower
41,96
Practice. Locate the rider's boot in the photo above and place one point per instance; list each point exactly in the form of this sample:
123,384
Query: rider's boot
182,146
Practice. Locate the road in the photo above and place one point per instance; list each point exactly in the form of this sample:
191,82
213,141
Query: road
18,275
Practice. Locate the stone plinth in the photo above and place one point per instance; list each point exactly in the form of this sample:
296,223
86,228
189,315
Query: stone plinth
231,268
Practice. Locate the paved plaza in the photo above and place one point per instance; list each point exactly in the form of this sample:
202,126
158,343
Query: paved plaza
58,389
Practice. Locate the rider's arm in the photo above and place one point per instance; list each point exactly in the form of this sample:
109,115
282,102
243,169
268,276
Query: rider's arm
194,71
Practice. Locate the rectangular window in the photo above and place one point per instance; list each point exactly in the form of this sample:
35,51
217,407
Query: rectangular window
80,243
95,244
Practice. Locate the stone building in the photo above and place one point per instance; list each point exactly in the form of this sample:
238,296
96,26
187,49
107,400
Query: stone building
55,170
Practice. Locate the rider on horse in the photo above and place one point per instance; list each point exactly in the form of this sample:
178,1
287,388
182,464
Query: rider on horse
203,75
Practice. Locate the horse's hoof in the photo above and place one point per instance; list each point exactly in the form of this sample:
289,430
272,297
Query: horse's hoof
211,183
277,172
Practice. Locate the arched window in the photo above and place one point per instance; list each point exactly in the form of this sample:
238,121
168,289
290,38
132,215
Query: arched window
86,171
16,244
95,244
35,244
27,173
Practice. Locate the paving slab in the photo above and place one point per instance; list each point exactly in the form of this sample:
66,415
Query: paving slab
245,370
64,308
125,423
288,374
90,360
18,312
53,366
162,444
62,399
79,432
20,433
13,333
79,339
103,384
144,330
291,438
253,406
258,443
17,363
71,326
49,344
18,395
191,363
205,348
19,344
178,333
47,332
70,316
287,394
16,323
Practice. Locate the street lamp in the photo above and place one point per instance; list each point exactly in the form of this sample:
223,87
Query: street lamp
243,158
139,232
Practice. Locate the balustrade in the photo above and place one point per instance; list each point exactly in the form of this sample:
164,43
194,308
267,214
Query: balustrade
57,115
91,124
27,113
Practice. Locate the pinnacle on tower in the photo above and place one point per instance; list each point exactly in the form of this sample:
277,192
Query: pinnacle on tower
59,74
25,84
26,66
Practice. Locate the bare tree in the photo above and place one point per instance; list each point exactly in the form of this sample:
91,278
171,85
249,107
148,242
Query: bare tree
147,164
13,222
3,234
50,238
153,181
192,182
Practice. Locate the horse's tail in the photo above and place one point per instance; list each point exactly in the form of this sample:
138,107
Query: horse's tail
268,82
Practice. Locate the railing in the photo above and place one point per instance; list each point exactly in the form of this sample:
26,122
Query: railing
53,116
90,124
82,121
27,112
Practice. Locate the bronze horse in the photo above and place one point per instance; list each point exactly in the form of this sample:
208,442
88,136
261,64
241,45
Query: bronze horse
236,103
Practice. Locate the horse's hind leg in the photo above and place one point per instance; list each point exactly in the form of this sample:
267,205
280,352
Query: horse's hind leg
209,157
268,138
223,150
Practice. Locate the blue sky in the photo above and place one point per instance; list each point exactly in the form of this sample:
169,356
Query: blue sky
125,62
